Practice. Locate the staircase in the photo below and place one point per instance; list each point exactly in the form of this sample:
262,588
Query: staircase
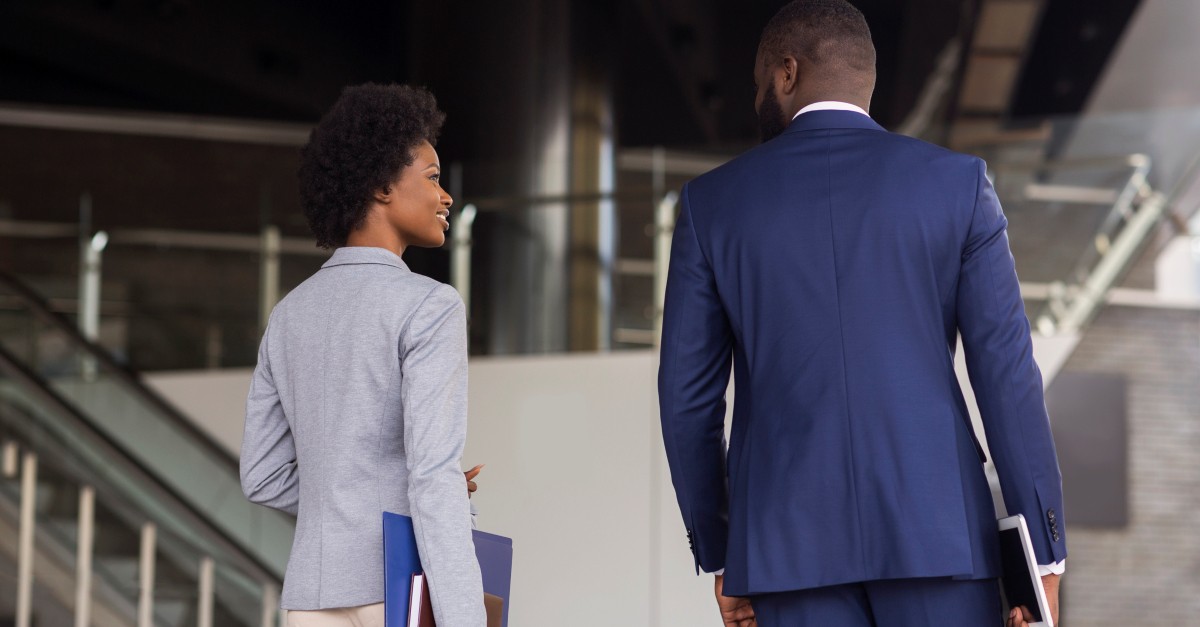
115,509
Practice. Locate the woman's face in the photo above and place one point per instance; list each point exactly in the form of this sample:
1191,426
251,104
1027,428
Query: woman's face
418,208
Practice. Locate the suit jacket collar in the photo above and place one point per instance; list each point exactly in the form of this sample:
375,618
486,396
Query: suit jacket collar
357,255
830,119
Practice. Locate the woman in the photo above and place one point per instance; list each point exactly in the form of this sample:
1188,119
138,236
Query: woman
359,401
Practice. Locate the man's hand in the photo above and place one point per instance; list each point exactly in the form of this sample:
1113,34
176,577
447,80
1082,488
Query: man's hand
471,474
735,611
1021,616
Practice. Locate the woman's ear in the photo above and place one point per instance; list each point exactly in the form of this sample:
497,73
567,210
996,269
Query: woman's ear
383,196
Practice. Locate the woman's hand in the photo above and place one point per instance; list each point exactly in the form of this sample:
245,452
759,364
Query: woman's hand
470,475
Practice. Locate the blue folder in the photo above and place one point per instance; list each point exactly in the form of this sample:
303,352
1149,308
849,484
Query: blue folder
401,561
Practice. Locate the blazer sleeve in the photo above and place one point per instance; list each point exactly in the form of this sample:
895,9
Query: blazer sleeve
268,460
1006,380
692,378
433,364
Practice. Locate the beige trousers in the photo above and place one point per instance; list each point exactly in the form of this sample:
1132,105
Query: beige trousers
361,616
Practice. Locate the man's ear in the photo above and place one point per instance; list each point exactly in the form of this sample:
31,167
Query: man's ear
788,75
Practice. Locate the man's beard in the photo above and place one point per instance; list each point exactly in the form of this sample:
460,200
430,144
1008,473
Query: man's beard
771,121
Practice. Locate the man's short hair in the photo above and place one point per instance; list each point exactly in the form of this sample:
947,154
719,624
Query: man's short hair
823,32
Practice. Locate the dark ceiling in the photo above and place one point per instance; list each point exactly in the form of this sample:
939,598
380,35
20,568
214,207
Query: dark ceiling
679,72
679,69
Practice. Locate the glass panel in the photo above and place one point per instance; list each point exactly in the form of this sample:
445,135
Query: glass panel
124,502
189,463
206,515
210,318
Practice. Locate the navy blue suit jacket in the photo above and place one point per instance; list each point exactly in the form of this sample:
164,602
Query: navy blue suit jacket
835,266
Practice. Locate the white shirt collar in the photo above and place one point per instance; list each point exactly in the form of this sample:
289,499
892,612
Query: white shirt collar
830,105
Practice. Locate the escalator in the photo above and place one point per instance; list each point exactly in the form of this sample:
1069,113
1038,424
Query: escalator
105,470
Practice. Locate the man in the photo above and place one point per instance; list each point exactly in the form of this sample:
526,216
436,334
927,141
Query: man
835,265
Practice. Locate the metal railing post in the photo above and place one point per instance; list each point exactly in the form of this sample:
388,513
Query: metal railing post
268,277
11,461
83,559
25,540
204,601
460,254
270,605
146,576
664,227
89,298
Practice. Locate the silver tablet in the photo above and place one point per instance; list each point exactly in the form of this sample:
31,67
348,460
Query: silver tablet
1022,581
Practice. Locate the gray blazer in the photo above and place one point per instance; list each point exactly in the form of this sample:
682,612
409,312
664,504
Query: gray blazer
359,406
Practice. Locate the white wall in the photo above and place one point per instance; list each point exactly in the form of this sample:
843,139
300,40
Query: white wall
1051,354
1145,100
575,475
1151,63
214,399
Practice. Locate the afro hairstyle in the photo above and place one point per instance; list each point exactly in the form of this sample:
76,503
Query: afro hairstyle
359,148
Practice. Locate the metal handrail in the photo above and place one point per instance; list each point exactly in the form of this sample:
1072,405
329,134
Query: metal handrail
38,306
179,545
1134,160
113,452
1072,309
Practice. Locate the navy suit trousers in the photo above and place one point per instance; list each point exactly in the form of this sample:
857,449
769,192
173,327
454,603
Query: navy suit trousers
887,603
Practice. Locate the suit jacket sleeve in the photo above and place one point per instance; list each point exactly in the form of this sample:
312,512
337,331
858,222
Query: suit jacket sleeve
268,460
433,365
692,379
1006,380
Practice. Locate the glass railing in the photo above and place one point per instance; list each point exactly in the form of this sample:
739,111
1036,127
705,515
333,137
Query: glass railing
1083,195
194,299
189,555
110,400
